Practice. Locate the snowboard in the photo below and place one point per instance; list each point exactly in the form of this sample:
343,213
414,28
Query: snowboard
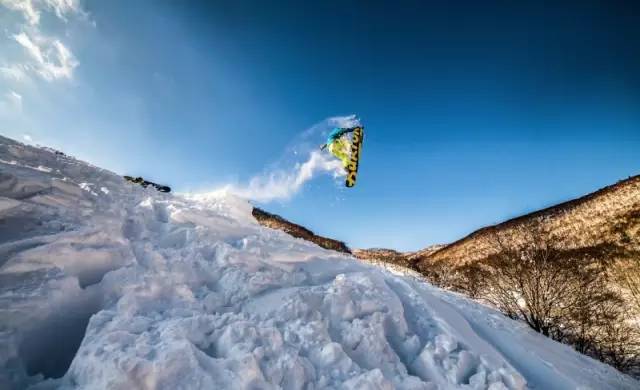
356,147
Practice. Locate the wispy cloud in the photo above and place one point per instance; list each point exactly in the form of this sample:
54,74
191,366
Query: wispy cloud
26,7
62,8
31,9
33,49
15,98
10,102
50,58
45,55
15,72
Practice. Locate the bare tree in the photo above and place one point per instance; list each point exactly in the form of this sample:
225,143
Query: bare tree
627,275
618,344
565,294
440,273
533,279
470,279
528,280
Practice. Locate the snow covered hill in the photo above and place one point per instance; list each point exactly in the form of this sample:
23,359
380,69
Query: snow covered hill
105,284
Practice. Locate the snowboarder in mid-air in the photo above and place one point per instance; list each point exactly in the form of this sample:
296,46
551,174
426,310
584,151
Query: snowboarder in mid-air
346,150
339,146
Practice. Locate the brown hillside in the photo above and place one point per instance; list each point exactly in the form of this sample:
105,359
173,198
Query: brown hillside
274,221
610,215
383,255
404,259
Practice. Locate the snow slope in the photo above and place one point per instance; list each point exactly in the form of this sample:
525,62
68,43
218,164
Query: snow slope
104,284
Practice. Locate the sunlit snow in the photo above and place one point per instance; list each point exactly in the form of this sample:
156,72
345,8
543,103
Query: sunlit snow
105,284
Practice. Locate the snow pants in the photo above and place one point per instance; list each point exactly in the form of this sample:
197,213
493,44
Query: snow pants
341,149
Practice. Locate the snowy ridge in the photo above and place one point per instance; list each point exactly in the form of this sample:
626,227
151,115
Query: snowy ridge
104,284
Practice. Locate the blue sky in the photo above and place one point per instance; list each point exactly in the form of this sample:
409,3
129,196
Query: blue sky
475,111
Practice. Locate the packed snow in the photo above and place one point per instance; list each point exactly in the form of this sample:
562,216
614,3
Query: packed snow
107,285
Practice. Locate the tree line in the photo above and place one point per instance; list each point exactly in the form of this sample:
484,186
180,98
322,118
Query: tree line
588,297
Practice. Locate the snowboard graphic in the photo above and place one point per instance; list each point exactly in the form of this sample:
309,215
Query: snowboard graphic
356,147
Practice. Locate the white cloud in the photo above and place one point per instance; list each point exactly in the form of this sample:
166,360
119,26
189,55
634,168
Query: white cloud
15,98
27,138
33,49
282,185
31,9
14,72
50,58
26,7
11,103
64,7
46,56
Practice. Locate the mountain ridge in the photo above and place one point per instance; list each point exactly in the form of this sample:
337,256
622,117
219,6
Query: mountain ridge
624,204
439,252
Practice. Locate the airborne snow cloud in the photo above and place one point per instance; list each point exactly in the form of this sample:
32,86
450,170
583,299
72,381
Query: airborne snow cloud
288,178
283,184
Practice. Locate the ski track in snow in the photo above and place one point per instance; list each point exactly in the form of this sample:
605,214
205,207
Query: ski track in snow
104,284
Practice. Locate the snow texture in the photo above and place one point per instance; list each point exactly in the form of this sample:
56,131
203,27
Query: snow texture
107,285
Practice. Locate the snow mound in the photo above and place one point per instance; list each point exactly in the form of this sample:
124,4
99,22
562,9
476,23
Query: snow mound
105,284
